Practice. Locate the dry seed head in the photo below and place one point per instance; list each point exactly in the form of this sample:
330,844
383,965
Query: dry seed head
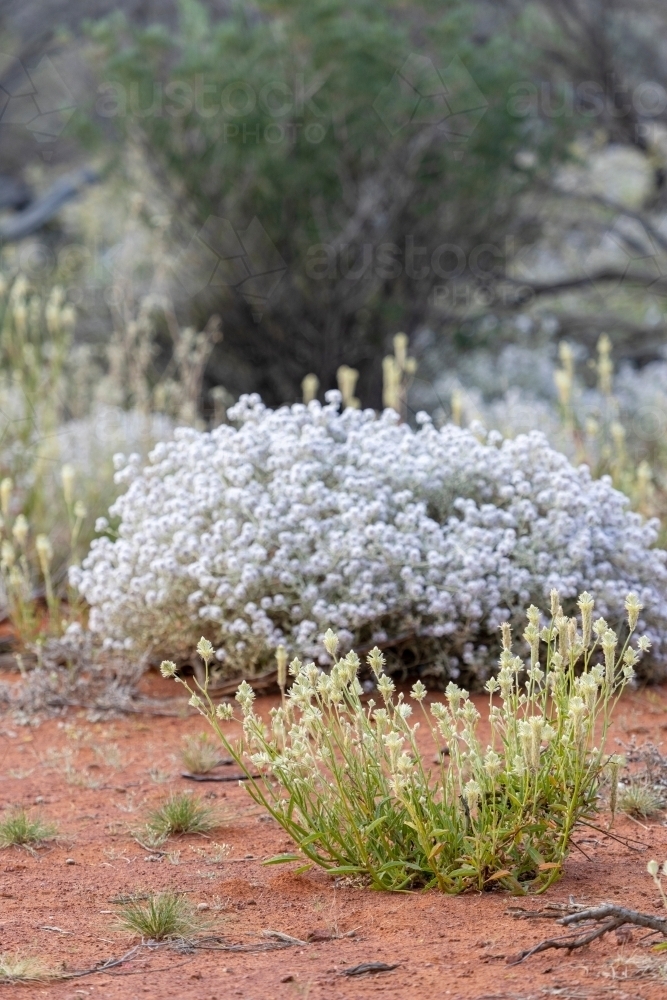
401,349
281,660
506,632
6,487
295,667
653,868
347,381
592,427
205,650
386,687
167,668
525,737
391,383
633,606
375,661
533,615
418,691
600,627
555,602
245,697
630,658
605,365
586,605
225,711
309,388
618,435
67,476
457,407
609,642
331,642
44,552
563,381
7,554
644,478
472,792
572,636
536,725
493,764
80,510
20,530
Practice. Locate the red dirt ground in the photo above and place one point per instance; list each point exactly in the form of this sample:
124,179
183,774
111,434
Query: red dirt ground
96,781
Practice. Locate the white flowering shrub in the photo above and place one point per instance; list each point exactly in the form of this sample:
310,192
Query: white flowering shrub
304,518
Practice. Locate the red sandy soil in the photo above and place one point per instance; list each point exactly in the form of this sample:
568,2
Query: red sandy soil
96,781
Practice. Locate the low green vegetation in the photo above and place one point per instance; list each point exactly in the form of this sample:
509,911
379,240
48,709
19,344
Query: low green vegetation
180,813
159,917
348,781
17,829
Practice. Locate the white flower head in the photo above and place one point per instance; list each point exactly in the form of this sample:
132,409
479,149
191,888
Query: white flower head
167,668
418,691
331,642
245,697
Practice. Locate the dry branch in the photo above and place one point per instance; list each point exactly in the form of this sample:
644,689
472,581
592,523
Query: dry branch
604,918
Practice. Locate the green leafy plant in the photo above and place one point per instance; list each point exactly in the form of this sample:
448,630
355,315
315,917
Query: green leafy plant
180,813
347,779
159,917
18,830
200,753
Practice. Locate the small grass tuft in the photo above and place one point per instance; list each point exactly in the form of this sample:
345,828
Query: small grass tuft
200,753
18,830
160,917
181,813
24,969
639,800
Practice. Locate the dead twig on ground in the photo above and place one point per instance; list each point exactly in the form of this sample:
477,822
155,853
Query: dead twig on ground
219,777
605,918
367,968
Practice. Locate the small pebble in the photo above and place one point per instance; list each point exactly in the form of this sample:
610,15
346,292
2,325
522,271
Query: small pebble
39,800
287,979
70,861
203,906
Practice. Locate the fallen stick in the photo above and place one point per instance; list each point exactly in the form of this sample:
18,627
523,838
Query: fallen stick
218,777
608,917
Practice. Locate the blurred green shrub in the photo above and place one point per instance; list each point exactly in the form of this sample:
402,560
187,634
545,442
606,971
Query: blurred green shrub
303,116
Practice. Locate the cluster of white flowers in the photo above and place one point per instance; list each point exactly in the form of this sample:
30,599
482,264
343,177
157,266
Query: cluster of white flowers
306,517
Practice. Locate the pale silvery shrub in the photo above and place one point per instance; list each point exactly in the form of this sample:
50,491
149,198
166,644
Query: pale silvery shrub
305,518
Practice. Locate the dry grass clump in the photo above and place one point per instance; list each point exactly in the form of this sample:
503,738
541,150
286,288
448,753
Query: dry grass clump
640,800
18,830
16,968
160,917
200,753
